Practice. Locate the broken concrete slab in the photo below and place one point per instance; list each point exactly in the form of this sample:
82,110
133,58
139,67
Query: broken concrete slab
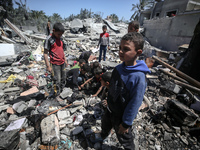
76,25
9,139
67,92
20,106
50,130
181,113
12,89
77,130
63,114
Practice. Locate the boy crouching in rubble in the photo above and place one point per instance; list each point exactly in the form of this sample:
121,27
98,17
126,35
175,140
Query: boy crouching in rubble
54,46
127,88
105,82
75,77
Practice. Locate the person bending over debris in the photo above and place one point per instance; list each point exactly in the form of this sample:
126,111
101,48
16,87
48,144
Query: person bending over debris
80,63
104,43
87,56
127,88
95,82
54,46
75,77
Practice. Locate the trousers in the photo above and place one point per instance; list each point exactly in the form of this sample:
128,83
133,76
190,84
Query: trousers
110,121
104,49
59,77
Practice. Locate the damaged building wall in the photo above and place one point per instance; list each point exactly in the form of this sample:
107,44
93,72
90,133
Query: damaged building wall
171,32
171,5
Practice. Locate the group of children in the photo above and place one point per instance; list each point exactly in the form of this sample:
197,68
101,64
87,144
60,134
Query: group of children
124,87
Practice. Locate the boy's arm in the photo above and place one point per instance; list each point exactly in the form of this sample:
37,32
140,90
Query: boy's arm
47,60
64,49
108,42
99,90
131,110
99,41
65,61
47,47
86,82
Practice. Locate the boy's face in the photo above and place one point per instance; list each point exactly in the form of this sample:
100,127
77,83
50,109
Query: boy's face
131,29
104,29
82,64
103,83
127,52
57,34
97,76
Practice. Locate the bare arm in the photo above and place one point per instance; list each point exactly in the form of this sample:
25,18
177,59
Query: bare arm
99,90
46,60
86,82
66,61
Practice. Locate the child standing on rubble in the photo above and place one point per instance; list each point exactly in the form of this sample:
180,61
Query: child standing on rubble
54,47
127,88
104,43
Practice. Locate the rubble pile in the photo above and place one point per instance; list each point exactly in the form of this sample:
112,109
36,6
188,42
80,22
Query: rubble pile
32,117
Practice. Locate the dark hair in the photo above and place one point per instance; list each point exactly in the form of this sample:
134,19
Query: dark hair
58,27
135,24
95,64
106,76
81,61
136,38
98,71
86,56
86,68
104,27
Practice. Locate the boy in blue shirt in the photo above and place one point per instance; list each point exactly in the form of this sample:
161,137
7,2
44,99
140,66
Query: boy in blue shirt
127,88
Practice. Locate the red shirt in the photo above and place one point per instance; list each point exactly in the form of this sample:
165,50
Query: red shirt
56,50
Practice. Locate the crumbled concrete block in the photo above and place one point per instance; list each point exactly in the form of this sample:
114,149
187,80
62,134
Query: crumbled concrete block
77,130
66,93
50,130
12,89
4,107
42,82
65,131
32,103
79,102
66,121
19,107
73,110
63,114
13,117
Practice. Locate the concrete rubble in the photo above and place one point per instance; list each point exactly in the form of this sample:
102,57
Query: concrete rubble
168,117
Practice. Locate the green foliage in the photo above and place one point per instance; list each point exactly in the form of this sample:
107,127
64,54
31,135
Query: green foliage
142,5
114,18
